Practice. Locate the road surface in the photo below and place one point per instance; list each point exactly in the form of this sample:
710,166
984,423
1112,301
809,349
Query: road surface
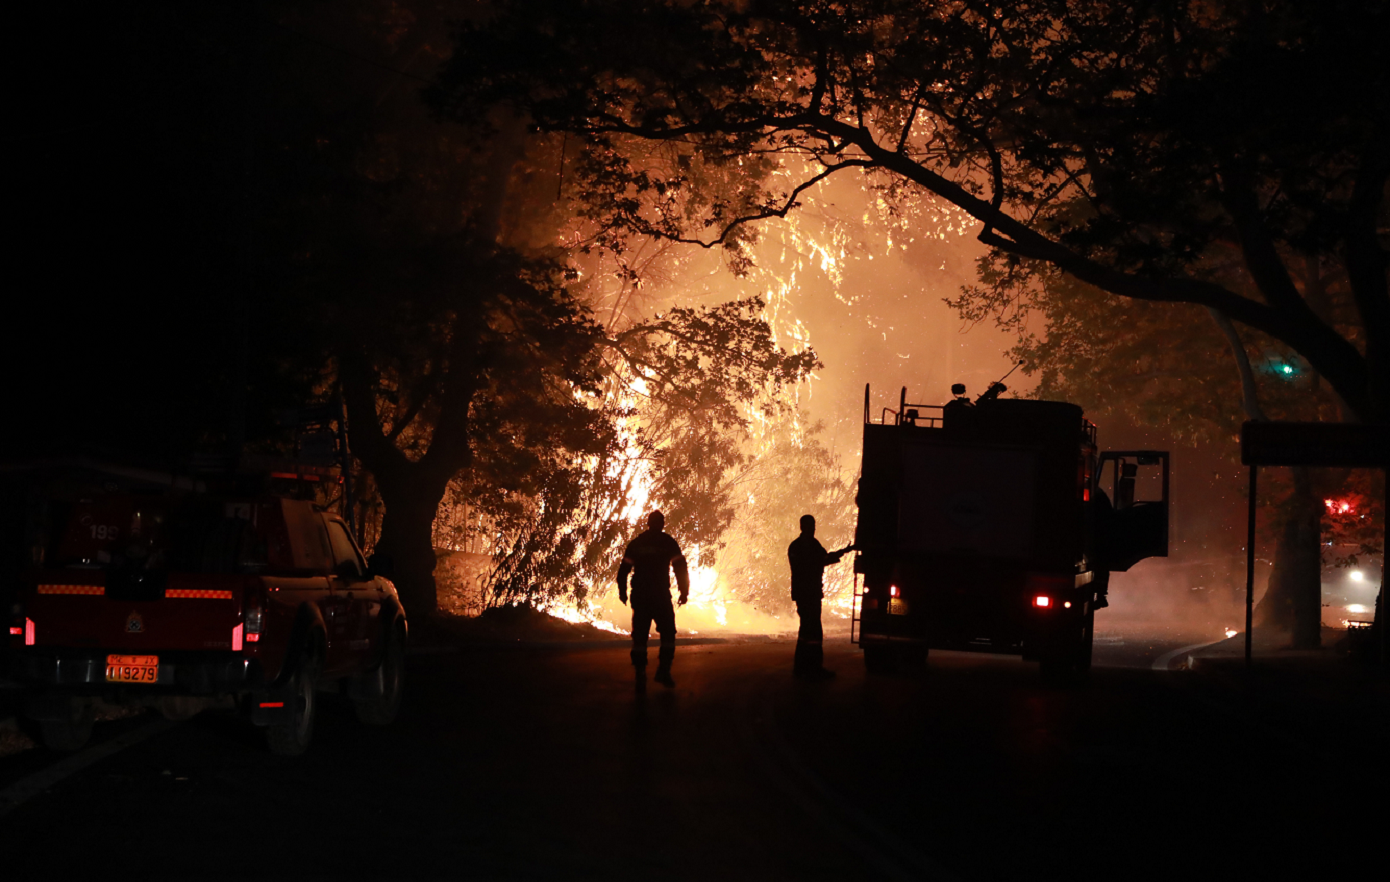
549,763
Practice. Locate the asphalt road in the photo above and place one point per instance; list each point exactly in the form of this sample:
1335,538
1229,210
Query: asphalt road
548,763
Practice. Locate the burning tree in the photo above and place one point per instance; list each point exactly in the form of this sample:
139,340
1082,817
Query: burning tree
680,391
435,278
1119,143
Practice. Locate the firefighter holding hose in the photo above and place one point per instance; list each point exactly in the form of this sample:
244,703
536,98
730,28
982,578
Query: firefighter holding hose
649,559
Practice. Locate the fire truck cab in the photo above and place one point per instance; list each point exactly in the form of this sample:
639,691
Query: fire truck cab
986,526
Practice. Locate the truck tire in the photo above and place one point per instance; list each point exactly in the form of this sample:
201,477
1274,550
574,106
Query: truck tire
880,659
1056,668
1068,662
1083,651
71,732
382,695
292,738
912,657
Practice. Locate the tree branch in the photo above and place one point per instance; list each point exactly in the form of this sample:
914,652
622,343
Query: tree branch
1250,401
1333,356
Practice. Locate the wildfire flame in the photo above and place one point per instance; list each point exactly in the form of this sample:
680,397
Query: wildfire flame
793,246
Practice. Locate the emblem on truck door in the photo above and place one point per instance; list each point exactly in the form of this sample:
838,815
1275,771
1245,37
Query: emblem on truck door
135,624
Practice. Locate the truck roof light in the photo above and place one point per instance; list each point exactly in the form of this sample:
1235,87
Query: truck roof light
1042,600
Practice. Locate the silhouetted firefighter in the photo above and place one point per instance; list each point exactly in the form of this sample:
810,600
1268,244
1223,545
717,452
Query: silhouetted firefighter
650,558
809,560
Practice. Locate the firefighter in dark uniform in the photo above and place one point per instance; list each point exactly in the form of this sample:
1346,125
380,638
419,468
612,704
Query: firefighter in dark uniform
809,560
649,559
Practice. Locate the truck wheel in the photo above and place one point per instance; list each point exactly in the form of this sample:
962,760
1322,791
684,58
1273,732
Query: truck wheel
292,738
71,732
879,659
1056,668
1069,662
1083,651
383,693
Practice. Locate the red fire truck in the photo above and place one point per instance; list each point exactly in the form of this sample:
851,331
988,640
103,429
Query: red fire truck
151,589
984,526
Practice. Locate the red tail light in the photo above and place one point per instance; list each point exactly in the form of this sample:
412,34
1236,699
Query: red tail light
1045,588
28,632
894,591
236,639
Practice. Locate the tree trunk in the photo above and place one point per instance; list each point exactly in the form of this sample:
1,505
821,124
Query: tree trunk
1294,599
410,490
411,502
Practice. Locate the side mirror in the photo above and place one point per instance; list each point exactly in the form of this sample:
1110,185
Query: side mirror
381,564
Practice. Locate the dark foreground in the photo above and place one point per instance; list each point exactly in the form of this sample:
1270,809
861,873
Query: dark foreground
547,763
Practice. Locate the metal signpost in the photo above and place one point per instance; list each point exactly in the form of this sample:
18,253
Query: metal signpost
1346,445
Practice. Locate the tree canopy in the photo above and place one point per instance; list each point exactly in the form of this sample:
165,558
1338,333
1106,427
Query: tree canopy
1120,143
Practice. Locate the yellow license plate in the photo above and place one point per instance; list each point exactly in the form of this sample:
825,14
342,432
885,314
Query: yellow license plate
132,669
897,606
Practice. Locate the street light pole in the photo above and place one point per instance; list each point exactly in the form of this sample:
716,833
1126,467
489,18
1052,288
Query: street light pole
1250,567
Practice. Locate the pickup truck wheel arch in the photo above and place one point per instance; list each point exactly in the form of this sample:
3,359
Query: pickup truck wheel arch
377,692
291,736
308,628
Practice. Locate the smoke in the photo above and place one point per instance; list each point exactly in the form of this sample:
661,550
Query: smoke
1196,596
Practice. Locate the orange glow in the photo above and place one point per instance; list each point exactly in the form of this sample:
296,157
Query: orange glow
1338,506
